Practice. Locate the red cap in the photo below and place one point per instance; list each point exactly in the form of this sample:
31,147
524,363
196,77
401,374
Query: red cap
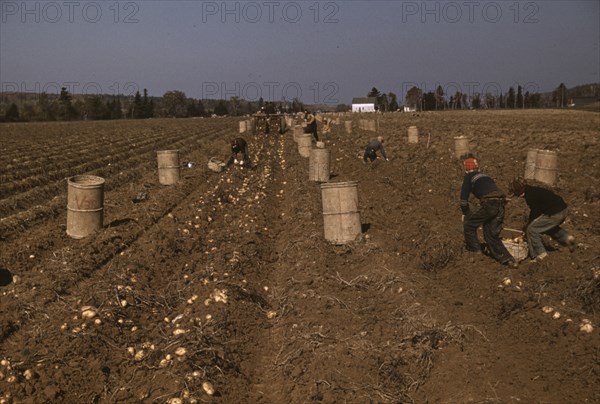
471,164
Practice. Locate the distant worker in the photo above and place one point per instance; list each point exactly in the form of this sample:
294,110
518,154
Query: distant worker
239,153
490,212
373,147
327,125
547,212
311,125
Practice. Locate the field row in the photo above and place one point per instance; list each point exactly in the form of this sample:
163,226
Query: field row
31,192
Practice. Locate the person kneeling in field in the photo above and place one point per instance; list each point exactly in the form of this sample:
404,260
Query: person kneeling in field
373,147
239,146
490,213
547,212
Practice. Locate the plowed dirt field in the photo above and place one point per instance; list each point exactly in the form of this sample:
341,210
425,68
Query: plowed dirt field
222,289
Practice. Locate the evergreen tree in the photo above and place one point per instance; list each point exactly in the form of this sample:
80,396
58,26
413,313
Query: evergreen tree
66,112
510,98
393,102
95,109
47,110
476,102
490,101
439,98
559,96
137,109
201,110
383,103
147,106
520,97
429,101
12,113
114,109
221,108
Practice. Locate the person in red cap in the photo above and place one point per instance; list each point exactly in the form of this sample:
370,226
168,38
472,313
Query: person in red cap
490,212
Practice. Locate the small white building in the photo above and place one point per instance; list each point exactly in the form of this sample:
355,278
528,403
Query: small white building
364,104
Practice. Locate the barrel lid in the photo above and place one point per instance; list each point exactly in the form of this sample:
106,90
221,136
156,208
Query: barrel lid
167,151
85,180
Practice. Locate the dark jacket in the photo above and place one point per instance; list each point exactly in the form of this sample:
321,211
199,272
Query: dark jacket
375,146
542,201
239,145
481,185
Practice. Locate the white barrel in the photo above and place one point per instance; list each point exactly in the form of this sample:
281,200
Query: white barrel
530,164
461,146
298,131
348,126
85,205
318,165
168,166
545,167
413,134
341,216
305,144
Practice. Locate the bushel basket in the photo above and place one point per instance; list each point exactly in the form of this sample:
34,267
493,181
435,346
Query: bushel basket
215,165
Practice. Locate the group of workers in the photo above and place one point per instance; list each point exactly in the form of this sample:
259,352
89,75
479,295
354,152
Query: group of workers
547,209
547,212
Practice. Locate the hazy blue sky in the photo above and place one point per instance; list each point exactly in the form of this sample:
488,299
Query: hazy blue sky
328,51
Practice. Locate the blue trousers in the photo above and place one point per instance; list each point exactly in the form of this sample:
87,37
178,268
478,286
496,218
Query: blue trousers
490,215
549,225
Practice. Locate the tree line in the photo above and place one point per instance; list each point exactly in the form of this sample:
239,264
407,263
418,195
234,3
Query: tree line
437,100
27,107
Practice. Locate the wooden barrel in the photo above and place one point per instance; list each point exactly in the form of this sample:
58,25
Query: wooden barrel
545,167
305,144
530,164
372,125
341,217
413,134
348,126
85,205
242,126
461,146
318,165
168,167
298,131
251,126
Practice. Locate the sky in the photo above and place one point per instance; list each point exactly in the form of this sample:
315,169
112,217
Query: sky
322,52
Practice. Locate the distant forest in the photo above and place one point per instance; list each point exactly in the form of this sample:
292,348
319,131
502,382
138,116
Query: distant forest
30,107
437,100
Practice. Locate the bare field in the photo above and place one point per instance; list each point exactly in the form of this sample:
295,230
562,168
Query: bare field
224,283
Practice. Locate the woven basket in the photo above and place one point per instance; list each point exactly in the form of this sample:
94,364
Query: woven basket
215,165
519,251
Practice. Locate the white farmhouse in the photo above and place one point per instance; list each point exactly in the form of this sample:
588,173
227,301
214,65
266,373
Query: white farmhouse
365,104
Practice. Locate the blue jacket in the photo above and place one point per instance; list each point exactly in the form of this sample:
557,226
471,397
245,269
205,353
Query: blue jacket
376,145
480,185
